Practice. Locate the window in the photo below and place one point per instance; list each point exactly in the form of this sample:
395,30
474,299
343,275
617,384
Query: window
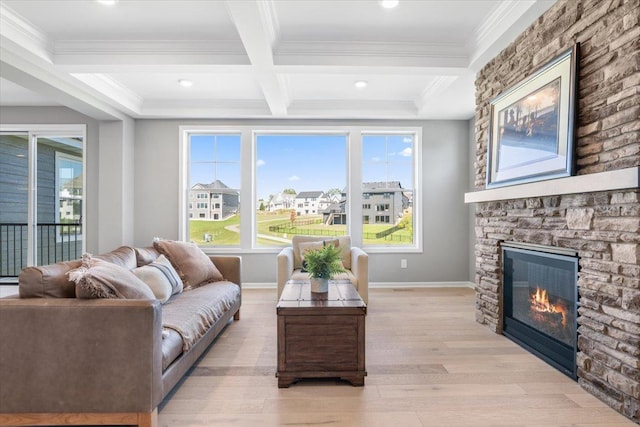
388,173
42,207
214,165
299,180
308,165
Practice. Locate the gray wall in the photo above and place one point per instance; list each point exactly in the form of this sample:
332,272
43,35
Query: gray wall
63,115
472,207
446,177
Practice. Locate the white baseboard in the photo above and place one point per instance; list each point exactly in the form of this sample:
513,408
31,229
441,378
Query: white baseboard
381,285
397,285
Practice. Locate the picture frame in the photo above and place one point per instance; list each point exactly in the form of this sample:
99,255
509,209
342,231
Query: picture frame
531,125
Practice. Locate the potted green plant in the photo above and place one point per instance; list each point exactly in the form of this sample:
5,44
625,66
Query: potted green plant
322,264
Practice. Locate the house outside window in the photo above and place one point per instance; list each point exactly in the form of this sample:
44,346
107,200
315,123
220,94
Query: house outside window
390,156
214,173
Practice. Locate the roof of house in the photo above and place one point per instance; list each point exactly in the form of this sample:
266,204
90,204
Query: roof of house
217,185
309,194
383,186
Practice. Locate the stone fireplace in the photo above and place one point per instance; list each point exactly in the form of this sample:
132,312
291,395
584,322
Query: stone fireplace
596,213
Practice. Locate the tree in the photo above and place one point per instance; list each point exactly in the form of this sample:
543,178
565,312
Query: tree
289,191
262,208
292,217
334,192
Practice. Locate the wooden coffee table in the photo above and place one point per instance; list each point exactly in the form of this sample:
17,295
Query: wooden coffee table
321,335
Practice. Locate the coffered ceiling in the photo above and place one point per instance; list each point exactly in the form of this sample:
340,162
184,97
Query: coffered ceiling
254,58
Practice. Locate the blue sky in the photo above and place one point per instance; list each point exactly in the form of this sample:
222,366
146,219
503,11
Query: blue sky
302,162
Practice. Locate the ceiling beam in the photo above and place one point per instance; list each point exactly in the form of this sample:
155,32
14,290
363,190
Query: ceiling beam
255,28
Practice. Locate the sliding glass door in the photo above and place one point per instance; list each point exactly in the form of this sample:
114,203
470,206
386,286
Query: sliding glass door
41,197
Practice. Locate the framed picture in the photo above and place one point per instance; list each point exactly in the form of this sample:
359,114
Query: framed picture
531,127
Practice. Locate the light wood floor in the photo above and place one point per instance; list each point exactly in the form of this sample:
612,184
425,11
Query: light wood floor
429,364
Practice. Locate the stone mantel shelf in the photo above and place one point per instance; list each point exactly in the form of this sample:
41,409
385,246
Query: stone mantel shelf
603,181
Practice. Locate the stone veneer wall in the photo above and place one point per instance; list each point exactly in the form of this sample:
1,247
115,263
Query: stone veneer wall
604,227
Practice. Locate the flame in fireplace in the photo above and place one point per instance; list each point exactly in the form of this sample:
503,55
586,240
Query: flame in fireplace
540,302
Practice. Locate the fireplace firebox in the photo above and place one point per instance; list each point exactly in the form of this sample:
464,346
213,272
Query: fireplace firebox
540,302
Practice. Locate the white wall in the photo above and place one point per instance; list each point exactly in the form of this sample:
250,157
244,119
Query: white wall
446,231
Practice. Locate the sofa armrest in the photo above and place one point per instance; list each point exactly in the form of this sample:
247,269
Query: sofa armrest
285,267
74,355
360,269
230,267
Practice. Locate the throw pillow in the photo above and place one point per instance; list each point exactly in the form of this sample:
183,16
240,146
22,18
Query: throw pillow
193,266
161,277
97,278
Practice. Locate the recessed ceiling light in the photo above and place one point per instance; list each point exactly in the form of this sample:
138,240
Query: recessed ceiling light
107,2
361,84
389,4
185,83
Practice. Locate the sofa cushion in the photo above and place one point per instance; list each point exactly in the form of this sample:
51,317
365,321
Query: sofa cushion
146,255
193,312
124,256
48,281
193,265
171,347
161,277
97,278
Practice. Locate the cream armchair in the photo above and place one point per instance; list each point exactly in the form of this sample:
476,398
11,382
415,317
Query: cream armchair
354,259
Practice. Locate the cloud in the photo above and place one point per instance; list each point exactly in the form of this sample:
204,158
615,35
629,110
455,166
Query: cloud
407,152
260,163
294,178
407,139
375,159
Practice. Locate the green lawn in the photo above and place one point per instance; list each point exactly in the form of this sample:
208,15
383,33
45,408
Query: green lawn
221,235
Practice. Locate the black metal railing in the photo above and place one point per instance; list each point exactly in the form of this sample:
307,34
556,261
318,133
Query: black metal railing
54,242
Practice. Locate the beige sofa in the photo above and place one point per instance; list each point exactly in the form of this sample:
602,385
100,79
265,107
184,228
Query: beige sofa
354,259
66,360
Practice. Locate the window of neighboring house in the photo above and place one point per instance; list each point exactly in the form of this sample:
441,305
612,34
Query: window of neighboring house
298,163
69,190
366,206
42,211
389,171
214,164
365,219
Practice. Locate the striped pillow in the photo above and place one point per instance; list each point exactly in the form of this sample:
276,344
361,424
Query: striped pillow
161,277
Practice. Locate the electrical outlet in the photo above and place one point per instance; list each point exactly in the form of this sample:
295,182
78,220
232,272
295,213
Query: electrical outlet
403,263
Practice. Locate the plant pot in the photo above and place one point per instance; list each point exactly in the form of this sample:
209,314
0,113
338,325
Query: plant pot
319,286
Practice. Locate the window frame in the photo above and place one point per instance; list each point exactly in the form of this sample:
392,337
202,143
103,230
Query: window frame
248,194
33,133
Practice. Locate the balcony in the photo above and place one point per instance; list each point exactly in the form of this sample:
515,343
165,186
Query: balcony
55,242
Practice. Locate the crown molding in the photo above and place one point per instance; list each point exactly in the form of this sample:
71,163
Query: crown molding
116,92
341,109
24,34
505,22
174,52
493,25
205,109
436,87
371,54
